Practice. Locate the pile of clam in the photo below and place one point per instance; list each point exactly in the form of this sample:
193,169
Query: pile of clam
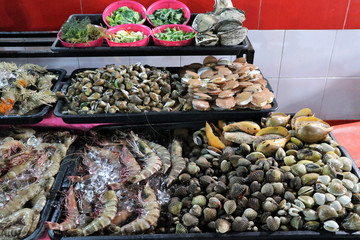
132,88
223,25
225,85
265,179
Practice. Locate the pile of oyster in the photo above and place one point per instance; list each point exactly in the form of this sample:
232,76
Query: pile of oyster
224,85
132,88
278,178
223,25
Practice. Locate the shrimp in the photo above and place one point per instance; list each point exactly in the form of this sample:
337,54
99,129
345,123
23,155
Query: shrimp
38,202
177,161
72,215
17,170
106,216
24,215
132,166
11,146
121,217
163,154
152,161
149,216
22,196
35,222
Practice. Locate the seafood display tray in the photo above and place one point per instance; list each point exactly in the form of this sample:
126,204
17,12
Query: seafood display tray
163,131
65,169
36,117
151,50
158,117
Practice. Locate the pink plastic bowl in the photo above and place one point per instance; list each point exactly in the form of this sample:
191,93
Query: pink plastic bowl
95,43
159,42
128,3
168,4
131,27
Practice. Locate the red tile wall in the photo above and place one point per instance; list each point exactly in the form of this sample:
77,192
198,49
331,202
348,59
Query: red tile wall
36,15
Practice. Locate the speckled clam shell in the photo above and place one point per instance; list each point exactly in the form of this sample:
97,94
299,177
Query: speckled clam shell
273,223
240,224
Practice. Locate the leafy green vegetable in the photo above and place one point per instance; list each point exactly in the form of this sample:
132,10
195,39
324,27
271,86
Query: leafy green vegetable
166,16
123,36
76,31
124,15
174,34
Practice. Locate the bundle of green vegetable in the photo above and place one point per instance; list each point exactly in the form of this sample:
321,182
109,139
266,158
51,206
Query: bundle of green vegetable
123,36
166,16
173,34
124,15
76,31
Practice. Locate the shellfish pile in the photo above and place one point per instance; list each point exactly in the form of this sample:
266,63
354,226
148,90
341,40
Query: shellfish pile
224,85
29,161
223,25
24,88
132,88
264,179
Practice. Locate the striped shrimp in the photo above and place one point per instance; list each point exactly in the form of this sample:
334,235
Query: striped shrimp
163,154
152,161
39,201
148,217
24,215
106,216
177,161
132,166
72,215
22,196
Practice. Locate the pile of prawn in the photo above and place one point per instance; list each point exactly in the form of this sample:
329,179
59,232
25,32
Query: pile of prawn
28,163
24,88
120,186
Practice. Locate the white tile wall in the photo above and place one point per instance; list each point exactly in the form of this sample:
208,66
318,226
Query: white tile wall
307,53
346,54
296,93
96,62
67,63
268,45
342,98
157,61
274,84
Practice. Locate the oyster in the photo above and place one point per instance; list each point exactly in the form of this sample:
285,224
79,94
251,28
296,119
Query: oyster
206,39
204,22
233,37
231,14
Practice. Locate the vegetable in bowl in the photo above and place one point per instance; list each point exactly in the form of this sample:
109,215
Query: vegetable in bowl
124,15
126,36
174,34
166,16
80,31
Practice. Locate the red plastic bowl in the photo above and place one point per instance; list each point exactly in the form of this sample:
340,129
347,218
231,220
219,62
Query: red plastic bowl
131,27
128,3
168,4
95,43
159,42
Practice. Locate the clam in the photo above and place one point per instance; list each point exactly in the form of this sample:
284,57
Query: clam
309,178
336,188
222,225
250,214
298,169
180,228
274,175
306,191
231,13
296,222
276,119
233,37
311,225
190,220
270,205
209,214
196,211
230,206
289,160
206,39
319,198
267,189
310,214
227,25
326,212
331,226
351,222
273,223
347,164
175,207
199,200
311,133
240,224
214,203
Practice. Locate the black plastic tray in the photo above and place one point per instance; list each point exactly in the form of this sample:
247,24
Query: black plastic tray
66,166
158,117
36,117
151,49
163,130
